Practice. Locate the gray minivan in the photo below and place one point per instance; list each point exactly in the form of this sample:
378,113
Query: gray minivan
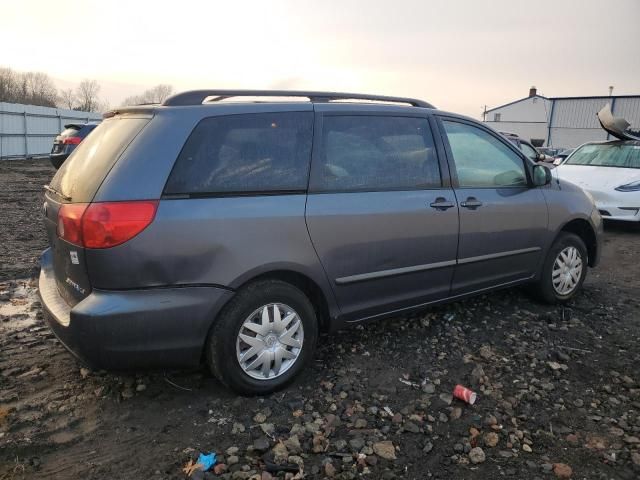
233,232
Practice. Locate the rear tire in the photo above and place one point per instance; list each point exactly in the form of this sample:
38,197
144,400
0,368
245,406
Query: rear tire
564,270
279,345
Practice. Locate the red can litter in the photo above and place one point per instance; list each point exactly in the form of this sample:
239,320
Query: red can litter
464,394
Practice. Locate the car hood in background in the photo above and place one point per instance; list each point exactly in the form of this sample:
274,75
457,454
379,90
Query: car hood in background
597,178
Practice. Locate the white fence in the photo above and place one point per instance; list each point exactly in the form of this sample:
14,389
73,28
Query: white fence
29,131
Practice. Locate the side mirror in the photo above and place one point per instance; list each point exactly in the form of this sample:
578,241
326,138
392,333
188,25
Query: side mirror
541,175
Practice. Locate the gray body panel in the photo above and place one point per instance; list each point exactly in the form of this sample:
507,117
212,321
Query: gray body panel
131,328
369,241
153,299
213,241
501,241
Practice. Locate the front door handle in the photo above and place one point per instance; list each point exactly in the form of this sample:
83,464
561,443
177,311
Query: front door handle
471,203
441,203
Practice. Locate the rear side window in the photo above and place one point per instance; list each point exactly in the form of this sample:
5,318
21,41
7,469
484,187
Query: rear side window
264,152
85,169
361,153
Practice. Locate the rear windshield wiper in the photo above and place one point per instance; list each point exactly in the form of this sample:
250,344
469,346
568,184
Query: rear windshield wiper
54,191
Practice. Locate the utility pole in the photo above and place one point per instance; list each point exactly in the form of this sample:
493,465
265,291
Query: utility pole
484,114
610,90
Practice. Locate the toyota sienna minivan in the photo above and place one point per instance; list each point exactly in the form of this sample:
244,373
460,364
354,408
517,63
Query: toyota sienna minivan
231,227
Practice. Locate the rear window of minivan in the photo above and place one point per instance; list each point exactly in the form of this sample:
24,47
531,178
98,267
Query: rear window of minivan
244,154
85,169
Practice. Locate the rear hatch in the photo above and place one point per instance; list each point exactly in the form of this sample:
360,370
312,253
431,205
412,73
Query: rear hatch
70,130
75,185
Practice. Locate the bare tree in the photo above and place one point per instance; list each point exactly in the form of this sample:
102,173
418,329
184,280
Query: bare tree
157,94
87,96
34,88
8,85
67,98
39,89
161,92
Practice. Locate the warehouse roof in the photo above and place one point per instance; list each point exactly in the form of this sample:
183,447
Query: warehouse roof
563,98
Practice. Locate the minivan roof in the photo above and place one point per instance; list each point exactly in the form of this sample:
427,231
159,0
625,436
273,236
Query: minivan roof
198,97
199,101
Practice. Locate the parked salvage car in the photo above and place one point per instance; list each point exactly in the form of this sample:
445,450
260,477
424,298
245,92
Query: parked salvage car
610,172
234,232
68,140
561,156
550,152
527,148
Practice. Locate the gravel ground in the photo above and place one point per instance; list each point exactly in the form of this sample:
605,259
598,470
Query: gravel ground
558,387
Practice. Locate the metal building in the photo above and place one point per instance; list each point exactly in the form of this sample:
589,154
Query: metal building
29,130
561,122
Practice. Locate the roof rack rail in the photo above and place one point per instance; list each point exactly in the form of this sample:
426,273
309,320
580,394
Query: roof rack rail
197,97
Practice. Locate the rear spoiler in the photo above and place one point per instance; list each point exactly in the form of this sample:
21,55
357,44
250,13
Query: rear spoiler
616,126
145,110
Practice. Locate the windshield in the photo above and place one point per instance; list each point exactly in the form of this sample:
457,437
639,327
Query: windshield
623,155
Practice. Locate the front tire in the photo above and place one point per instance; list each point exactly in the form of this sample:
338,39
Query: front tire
262,338
564,270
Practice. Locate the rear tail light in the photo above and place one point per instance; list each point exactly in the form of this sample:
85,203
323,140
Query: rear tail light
70,222
104,224
71,141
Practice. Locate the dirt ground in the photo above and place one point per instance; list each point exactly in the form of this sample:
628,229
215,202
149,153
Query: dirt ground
558,387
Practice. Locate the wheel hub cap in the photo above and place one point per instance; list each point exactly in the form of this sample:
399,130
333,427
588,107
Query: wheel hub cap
269,341
567,271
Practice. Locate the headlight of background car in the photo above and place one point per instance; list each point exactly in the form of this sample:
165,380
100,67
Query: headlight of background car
629,187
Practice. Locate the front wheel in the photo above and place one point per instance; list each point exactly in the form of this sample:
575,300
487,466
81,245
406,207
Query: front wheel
564,270
263,338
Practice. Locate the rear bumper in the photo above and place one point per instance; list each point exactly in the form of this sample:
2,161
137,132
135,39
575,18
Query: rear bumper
155,327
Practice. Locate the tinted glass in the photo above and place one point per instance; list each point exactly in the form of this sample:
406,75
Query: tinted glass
529,151
245,153
86,130
376,153
85,169
607,155
481,160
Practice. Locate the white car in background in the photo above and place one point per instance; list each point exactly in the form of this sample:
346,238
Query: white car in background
610,172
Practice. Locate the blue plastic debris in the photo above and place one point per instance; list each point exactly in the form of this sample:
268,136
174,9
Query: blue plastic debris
207,461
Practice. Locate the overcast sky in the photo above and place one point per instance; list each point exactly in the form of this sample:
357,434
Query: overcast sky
457,54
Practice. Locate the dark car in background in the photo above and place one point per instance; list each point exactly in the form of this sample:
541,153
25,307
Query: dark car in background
68,140
232,232
527,148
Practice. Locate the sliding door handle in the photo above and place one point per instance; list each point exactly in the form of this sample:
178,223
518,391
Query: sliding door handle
441,203
471,203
